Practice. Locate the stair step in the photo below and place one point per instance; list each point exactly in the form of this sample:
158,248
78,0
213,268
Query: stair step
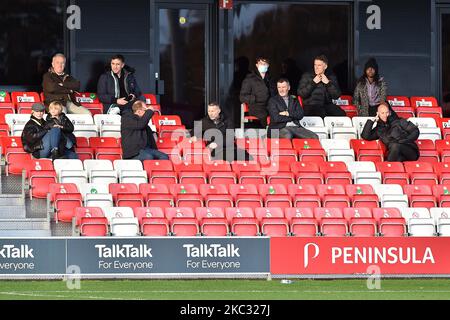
24,224
13,211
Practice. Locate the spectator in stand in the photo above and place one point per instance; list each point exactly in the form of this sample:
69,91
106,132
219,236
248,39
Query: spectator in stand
285,112
137,137
117,88
59,86
256,90
318,89
397,134
370,91
213,128
58,119
42,140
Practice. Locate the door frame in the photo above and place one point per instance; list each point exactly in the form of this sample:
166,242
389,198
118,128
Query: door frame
211,51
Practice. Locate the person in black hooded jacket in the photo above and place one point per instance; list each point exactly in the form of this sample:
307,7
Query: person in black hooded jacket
397,134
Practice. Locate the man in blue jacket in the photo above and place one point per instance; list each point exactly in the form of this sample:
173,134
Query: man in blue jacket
117,88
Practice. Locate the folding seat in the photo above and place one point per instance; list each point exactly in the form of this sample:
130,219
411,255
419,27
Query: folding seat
420,196
424,101
156,195
256,147
442,194
442,170
427,128
124,227
216,195
152,221
93,226
390,222
316,125
335,172
219,172
212,222
367,150
93,188
364,172
420,222
343,100
5,97
304,195
86,97
350,110
41,174
309,150
4,128
307,172
428,152
245,118
130,171
333,196
245,195
182,221
83,212
443,149
64,205
421,172
194,152
186,195
359,123
340,128
16,123
173,131
24,100
83,125
160,171
167,142
15,160
391,195
272,221
126,195
100,171
242,221
118,212
362,196
393,172
444,125
104,142
302,222
441,220
83,150
248,172
402,106
275,195
150,100
55,188
108,125
429,112
361,222
283,155
278,173
166,120
277,144
332,222
73,176
189,172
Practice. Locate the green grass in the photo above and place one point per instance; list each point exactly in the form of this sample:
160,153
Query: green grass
227,289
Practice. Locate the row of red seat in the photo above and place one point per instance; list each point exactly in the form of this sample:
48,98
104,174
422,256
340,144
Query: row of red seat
252,222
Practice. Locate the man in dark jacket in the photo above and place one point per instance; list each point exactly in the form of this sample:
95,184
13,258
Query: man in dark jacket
214,129
317,91
256,90
41,140
137,137
285,112
117,88
397,134
59,86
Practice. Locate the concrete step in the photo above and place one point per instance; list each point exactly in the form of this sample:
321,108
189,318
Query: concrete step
11,200
24,233
24,224
18,212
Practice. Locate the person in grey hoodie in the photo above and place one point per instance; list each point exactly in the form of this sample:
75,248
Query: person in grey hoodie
117,88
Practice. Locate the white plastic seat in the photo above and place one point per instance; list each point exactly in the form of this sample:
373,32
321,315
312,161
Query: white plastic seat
67,165
391,195
420,223
118,212
108,124
338,144
103,200
359,123
441,218
340,128
315,124
124,227
93,188
78,177
364,172
427,127
130,171
100,171
16,122
345,155
83,125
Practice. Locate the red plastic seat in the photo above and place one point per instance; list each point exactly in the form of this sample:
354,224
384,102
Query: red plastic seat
245,195
360,221
442,170
367,150
421,172
65,204
275,195
307,173
417,101
242,221
81,212
399,101
39,181
182,221
333,196
335,172
16,159
94,226
212,221
390,222
152,221
278,173
304,195
104,142
302,222
165,120
392,172
126,195
309,150
428,152
442,194
31,97
444,125
332,221
362,195
156,195
86,97
272,221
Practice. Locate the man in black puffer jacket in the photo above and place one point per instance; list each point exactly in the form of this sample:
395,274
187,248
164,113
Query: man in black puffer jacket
397,134
317,91
256,90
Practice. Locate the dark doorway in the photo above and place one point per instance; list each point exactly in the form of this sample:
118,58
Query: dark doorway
445,54
182,45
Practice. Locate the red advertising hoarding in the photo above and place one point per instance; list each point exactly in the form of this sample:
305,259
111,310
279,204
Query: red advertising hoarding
353,256
226,4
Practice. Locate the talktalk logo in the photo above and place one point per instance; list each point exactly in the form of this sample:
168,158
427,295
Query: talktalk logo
10,251
123,251
315,250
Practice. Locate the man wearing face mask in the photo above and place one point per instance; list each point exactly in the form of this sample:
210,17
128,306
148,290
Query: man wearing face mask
317,91
256,90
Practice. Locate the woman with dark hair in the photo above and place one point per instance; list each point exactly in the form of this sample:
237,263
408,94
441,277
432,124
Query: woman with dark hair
370,91
397,134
